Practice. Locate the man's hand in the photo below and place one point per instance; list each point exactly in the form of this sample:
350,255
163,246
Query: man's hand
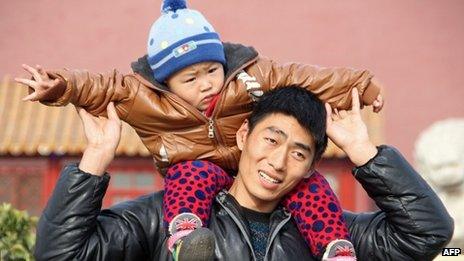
347,130
103,135
44,88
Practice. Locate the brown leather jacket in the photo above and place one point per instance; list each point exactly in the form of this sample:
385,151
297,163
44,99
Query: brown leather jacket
174,131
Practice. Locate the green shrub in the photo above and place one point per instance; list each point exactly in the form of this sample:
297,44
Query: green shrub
17,234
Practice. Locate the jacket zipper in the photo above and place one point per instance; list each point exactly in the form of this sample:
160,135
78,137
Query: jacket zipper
242,229
211,129
274,234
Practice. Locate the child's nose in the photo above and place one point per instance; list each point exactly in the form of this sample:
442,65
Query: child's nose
205,86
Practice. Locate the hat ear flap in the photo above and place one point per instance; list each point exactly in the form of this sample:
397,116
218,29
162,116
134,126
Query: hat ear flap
173,5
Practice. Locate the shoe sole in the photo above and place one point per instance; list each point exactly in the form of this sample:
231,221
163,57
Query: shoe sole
198,246
330,251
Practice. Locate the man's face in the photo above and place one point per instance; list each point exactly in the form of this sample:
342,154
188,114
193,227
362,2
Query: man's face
276,155
197,84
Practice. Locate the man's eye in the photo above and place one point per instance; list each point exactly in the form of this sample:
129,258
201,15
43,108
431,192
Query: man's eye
271,140
300,155
190,80
212,70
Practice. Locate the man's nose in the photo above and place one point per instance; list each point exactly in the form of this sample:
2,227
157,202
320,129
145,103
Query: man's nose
277,159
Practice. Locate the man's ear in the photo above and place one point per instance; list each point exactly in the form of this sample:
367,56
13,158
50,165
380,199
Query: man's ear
310,172
242,135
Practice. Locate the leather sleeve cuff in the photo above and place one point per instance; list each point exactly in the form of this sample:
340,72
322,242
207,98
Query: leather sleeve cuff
371,92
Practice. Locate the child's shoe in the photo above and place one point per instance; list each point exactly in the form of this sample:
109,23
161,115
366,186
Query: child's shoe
189,241
339,250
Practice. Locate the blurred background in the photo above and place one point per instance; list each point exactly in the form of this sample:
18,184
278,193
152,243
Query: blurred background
415,48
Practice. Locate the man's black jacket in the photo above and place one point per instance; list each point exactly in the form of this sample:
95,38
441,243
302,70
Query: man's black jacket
412,223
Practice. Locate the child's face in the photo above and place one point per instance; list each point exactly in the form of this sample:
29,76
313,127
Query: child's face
198,83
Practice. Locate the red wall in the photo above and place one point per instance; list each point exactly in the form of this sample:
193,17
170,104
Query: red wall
414,47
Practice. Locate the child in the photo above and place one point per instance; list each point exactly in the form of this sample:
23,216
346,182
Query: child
187,99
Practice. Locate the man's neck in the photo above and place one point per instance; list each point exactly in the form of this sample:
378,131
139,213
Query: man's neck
247,200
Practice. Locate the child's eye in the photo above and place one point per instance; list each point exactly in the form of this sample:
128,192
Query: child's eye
190,79
212,70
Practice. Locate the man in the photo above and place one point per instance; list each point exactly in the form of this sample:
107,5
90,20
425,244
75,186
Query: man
279,143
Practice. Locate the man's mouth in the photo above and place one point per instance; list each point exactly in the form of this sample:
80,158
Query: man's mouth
268,178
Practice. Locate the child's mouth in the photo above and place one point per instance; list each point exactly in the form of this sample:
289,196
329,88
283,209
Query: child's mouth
207,99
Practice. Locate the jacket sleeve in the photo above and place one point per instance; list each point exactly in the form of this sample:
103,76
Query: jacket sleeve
332,85
94,91
72,227
412,223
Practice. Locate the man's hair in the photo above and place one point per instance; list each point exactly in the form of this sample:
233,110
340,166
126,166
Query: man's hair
298,103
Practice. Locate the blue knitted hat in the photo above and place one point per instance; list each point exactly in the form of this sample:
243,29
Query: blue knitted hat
179,38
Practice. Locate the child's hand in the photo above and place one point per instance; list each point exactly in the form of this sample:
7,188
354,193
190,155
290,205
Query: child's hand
44,88
377,105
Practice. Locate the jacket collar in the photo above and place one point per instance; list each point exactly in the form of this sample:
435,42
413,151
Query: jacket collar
279,218
227,200
236,56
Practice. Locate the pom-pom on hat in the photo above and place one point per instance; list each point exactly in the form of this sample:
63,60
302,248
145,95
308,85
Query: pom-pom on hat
179,38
